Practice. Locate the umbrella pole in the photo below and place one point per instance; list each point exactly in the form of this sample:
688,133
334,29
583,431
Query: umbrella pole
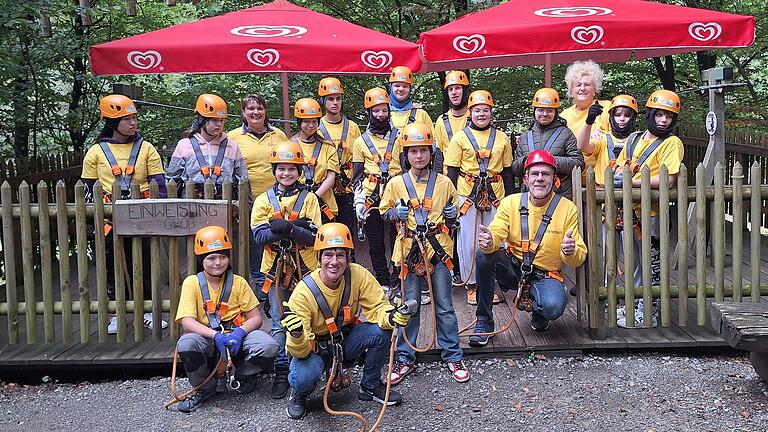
286,104
547,70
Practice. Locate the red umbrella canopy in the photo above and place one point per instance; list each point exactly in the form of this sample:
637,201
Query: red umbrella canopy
524,32
274,37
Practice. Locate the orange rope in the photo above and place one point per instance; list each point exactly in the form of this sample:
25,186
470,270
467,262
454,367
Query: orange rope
331,411
178,398
431,294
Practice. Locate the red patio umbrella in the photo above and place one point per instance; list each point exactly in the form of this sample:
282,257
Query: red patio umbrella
277,37
523,32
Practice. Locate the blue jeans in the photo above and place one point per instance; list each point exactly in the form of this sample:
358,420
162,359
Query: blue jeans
447,325
255,254
278,332
548,294
305,372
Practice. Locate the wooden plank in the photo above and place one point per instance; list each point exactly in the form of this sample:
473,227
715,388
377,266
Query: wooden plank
755,216
101,261
736,235
168,217
82,261
664,244
62,230
44,224
27,258
701,245
126,353
9,257
743,325
38,354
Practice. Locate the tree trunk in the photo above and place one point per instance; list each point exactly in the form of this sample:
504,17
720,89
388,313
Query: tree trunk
665,71
75,129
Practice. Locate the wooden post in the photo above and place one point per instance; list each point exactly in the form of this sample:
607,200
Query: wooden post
85,12
44,224
755,221
582,279
138,277
718,234
157,298
191,258
594,238
122,277
629,258
737,213
82,262
645,243
9,257
130,8
27,257
244,231
62,228
664,244
701,246
682,242
286,104
173,271
101,260
610,248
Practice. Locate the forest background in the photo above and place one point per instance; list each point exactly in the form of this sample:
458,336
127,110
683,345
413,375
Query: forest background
49,97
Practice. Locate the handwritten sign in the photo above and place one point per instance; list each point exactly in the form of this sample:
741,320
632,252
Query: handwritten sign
168,217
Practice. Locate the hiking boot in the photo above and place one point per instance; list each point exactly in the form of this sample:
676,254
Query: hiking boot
377,394
280,383
297,405
471,294
400,371
456,279
482,326
246,386
112,327
459,371
539,323
149,322
195,400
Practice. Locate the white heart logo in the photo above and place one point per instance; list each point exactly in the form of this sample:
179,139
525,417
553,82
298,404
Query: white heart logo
469,44
705,31
267,31
263,57
572,12
587,35
144,59
376,59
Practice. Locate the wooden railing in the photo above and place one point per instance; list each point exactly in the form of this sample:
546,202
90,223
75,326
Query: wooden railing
600,275
50,170
45,237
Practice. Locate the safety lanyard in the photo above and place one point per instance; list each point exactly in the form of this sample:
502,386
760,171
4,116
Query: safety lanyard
311,165
126,174
215,311
550,142
633,139
531,248
342,140
278,212
344,315
420,208
382,162
483,156
205,169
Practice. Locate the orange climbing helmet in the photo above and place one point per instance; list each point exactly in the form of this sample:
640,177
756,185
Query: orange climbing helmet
402,74
664,99
480,97
456,77
333,235
416,134
307,108
116,106
329,86
211,106
211,239
287,152
546,98
375,96
624,100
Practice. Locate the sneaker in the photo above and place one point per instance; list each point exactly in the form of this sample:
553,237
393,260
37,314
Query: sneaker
246,386
572,291
400,371
149,322
297,405
280,384
377,394
496,298
195,400
459,371
425,298
639,322
472,294
456,279
482,326
621,311
387,290
112,327
539,323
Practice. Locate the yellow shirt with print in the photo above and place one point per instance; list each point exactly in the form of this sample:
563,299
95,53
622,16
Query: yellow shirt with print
577,119
365,296
96,166
327,160
444,191
361,154
400,119
457,123
241,299
600,158
335,130
256,152
506,226
262,212
461,154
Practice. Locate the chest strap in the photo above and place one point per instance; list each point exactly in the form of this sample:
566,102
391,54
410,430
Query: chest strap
631,142
344,316
484,155
124,175
277,212
342,140
216,311
382,161
421,208
533,145
205,169
530,249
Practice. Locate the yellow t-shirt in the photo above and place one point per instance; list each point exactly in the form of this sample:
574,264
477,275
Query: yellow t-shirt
396,189
241,299
577,119
256,153
462,155
361,154
262,212
400,119
327,160
365,296
506,227
457,123
96,165
335,130
601,156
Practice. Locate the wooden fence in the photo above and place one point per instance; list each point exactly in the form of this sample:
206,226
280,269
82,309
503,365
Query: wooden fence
44,230
600,274
50,169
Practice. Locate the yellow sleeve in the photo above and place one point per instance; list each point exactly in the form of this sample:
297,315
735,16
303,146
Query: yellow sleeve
357,150
580,254
499,226
261,211
246,299
372,301
333,159
453,154
154,162
311,209
91,163
387,198
188,301
394,164
300,347
672,154
506,157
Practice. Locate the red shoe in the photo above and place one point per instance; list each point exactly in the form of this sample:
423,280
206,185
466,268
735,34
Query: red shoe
400,371
459,371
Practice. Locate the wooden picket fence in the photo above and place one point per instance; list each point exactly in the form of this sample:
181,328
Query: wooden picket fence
598,207
45,234
49,169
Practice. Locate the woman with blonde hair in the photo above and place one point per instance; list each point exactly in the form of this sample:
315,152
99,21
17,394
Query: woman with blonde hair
585,82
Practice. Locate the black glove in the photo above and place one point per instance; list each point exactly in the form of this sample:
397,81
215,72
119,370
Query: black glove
304,222
281,226
594,112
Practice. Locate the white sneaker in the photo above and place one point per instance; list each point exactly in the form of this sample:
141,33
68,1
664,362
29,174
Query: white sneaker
622,322
621,311
425,298
149,322
112,327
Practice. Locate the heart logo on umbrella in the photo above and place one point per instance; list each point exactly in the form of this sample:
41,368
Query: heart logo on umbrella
267,31
705,31
376,59
469,44
144,59
587,35
263,57
572,12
